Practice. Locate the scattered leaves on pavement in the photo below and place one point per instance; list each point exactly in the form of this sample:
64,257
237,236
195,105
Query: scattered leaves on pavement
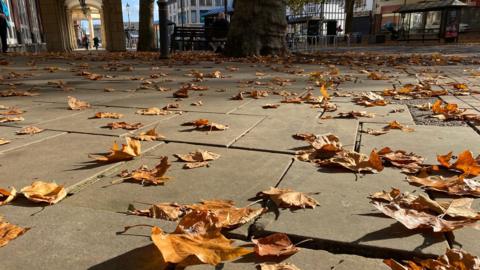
397,125
149,135
454,259
455,185
465,163
39,191
124,125
370,99
408,162
108,115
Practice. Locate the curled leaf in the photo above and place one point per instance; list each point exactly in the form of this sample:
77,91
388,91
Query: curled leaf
127,152
453,259
145,176
124,125
277,244
7,196
288,198
153,111
9,232
456,185
108,115
30,130
76,104
40,191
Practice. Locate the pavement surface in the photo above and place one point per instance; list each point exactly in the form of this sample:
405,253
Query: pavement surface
257,152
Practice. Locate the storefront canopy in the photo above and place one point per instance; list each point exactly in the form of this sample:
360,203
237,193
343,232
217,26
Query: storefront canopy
431,6
216,11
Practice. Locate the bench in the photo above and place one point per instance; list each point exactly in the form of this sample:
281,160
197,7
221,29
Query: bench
193,38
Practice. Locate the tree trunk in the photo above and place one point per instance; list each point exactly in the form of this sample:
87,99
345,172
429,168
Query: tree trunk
146,40
349,4
258,28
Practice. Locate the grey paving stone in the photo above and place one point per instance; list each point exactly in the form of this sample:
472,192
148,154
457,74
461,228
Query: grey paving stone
63,159
456,100
288,122
426,141
345,215
365,86
237,175
174,130
305,259
383,114
76,238
17,141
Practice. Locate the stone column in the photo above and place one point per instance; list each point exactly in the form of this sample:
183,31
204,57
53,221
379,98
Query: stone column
114,32
91,29
102,27
55,25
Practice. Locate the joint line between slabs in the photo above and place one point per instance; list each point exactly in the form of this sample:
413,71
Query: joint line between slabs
246,132
34,142
358,139
290,164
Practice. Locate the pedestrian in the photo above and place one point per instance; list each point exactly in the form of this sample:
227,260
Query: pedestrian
4,14
220,33
86,42
96,43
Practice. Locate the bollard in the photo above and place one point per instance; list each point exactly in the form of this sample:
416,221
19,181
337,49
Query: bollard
163,24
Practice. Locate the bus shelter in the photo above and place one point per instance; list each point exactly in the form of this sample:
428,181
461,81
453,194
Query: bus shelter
431,20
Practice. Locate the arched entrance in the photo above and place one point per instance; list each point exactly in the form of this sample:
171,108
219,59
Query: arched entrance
67,21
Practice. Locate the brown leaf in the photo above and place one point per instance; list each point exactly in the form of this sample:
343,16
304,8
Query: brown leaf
153,111
464,163
256,94
375,132
198,156
278,266
127,152
456,185
108,115
397,125
355,162
3,141
370,99
239,96
9,232
7,196
182,93
294,100
30,130
150,135
76,104
40,191
277,244
195,165
124,125
198,103
12,111
8,119
288,198
145,176
355,114
420,212
453,259
15,93
271,106
408,162
205,124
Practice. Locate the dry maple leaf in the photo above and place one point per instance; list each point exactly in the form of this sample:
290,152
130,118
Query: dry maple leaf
408,162
127,152
8,119
397,125
182,93
456,185
205,124
277,244
150,135
108,115
145,176
370,99
165,211
355,161
278,266
453,259
288,198
9,232
239,96
420,212
309,137
153,111
197,159
3,141
12,111
7,196
355,114
40,191
256,94
321,147
375,132
124,125
12,93
464,163
76,104
30,130
294,100
271,106
186,249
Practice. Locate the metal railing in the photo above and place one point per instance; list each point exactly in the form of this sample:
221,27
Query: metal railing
306,43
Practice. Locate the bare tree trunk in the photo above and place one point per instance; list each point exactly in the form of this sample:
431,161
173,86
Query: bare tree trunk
258,28
349,4
146,40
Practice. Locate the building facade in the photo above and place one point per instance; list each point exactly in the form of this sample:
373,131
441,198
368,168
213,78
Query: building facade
25,32
190,11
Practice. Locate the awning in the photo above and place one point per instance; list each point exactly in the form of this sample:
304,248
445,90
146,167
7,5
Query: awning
301,19
430,6
216,11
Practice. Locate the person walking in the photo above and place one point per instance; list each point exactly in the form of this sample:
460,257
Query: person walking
86,42
96,43
220,33
4,14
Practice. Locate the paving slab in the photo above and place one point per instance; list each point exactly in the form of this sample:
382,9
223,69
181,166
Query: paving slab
75,238
365,86
237,175
83,123
383,114
174,130
288,122
305,259
345,217
426,141
63,159
94,97
17,141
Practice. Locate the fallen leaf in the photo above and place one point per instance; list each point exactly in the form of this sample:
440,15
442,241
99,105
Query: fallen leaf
171,106
107,89
288,198
355,161
355,114
182,93
420,212
324,92
198,156
7,196
408,162
278,266
294,100
12,111
127,152
271,106
150,135
424,107
76,104
15,93
456,185
370,99
145,176
108,115
8,119
165,211
239,96
256,94
464,163
205,124
39,191
9,232
198,103
375,132
397,125
153,111
3,141
454,259
30,130
124,125
277,244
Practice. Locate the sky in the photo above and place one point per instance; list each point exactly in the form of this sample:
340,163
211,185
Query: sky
134,10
